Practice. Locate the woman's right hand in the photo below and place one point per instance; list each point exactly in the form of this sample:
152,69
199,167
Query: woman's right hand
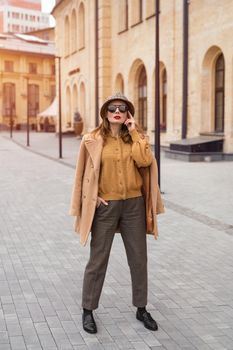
99,201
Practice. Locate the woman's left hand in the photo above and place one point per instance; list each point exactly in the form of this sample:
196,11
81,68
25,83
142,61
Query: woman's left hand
130,122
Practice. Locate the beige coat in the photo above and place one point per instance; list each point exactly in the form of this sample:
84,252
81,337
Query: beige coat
85,189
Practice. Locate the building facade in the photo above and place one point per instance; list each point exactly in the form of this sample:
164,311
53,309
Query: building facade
125,52
45,33
27,79
20,16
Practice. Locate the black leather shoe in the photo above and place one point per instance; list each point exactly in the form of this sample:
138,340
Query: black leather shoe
89,324
148,321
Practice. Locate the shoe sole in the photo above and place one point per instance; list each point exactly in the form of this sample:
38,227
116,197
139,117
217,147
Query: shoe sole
150,328
88,331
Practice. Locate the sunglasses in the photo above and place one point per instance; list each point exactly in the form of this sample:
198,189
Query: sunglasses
121,108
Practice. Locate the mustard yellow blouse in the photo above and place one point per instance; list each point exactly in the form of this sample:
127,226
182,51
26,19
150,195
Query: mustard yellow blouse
119,176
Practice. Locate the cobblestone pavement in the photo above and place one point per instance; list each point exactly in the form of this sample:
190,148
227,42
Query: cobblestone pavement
42,262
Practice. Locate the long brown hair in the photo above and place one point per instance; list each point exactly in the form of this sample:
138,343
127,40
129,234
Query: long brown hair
104,130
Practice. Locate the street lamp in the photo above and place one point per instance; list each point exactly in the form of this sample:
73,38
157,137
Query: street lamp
59,99
157,90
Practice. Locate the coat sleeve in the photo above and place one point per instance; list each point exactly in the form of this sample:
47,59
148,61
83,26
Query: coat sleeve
141,151
76,198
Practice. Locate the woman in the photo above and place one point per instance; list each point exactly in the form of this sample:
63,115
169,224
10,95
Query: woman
115,190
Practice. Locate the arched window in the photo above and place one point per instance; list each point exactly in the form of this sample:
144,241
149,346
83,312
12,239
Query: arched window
8,99
136,11
53,92
75,99
219,94
73,31
82,100
68,108
163,121
123,15
81,27
67,36
33,100
142,99
119,84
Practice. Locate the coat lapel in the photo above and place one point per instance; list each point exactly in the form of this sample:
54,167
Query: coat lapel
94,147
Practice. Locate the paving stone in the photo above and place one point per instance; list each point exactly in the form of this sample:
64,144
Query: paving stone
31,339
14,329
140,346
61,338
42,328
53,322
42,264
34,347
4,337
130,333
17,343
47,340
112,346
75,338
5,347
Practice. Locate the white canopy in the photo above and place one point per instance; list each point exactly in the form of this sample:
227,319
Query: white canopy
51,111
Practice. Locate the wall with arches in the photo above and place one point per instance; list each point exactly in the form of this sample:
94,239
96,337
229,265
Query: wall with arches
77,69
211,71
127,62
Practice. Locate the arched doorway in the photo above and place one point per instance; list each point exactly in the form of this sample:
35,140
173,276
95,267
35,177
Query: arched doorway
212,91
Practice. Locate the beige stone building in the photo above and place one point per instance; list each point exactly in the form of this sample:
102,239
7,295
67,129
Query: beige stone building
27,79
126,62
45,33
